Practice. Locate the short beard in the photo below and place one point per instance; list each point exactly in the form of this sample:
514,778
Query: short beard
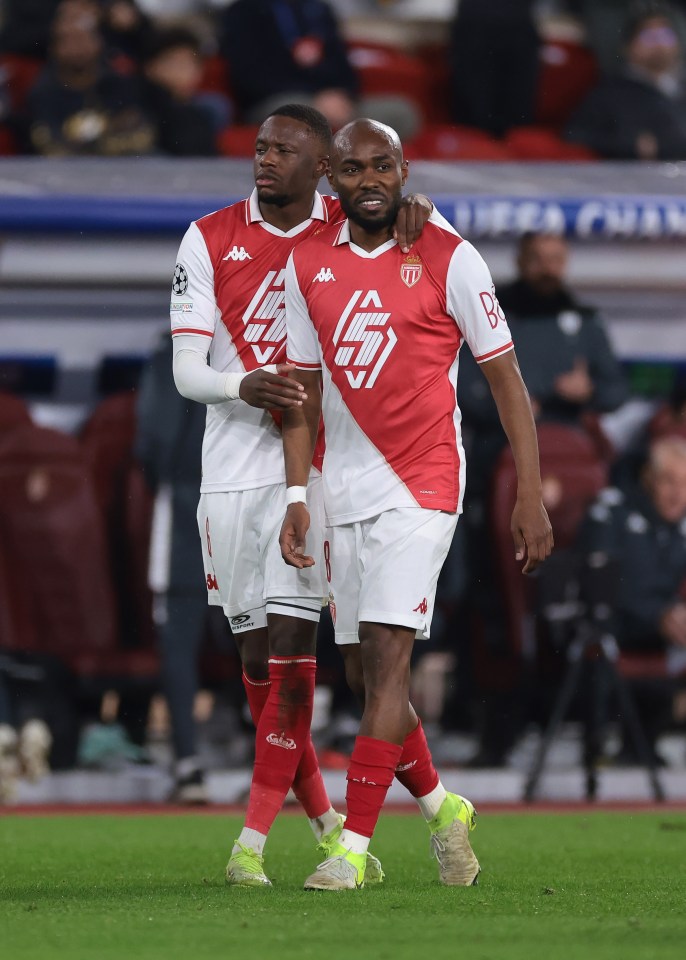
367,223
275,199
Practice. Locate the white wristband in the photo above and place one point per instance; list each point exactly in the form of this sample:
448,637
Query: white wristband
296,495
232,385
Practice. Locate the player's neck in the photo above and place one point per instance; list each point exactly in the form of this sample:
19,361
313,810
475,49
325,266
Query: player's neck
369,241
292,215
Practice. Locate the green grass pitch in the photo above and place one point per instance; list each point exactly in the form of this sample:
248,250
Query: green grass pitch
581,885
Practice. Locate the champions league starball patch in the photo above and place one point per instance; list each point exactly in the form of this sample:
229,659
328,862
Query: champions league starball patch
180,281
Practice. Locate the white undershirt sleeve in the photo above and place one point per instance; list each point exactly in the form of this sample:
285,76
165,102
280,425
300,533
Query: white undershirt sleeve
194,379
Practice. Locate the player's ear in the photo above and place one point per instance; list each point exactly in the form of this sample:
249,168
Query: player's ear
329,177
322,168
404,169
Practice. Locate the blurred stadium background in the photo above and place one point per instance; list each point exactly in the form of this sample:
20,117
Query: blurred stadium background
87,249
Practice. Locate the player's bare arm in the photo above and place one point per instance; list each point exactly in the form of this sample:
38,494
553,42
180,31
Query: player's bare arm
299,429
272,388
531,529
415,210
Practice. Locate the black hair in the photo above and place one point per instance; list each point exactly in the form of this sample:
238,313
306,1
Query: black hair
315,121
642,11
172,38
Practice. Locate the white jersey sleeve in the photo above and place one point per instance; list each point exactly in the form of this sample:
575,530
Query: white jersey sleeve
472,302
193,309
302,344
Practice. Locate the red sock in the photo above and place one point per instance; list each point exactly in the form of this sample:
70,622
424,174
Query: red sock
415,768
257,692
282,732
308,785
370,774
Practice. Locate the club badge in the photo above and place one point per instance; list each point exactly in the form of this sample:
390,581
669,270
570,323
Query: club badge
411,270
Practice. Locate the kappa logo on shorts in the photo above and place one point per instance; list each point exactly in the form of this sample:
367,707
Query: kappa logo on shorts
278,740
421,607
359,345
212,582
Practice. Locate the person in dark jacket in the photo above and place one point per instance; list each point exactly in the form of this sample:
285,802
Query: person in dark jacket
168,445
640,536
641,112
78,105
291,51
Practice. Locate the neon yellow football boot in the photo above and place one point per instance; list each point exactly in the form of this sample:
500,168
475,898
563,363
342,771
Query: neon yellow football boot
450,829
246,869
342,870
373,870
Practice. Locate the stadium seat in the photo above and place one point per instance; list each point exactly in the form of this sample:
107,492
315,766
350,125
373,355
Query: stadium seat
237,141
13,412
539,143
215,78
387,70
568,73
126,508
8,143
450,142
21,73
572,474
53,541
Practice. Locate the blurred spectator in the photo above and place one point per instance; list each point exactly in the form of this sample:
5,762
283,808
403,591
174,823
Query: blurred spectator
641,112
566,359
640,537
172,69
494,58
125,28
168,445
78,105
291,51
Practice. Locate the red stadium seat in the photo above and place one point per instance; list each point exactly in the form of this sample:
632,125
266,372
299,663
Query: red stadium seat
238,141
539,143
21,75
387,70
572,474
8,143
53,541
568,72
450,142
215,77
126,507
13,412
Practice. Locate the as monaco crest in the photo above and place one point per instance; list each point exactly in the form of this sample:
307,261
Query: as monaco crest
411,271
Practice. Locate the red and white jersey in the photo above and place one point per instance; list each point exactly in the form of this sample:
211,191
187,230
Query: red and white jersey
386,329
229,289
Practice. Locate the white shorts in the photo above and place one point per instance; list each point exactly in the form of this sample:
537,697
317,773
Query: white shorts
385,569
244,570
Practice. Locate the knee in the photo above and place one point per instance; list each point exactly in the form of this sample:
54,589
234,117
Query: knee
289,637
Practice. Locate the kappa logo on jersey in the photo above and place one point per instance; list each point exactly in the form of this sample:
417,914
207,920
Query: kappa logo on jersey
324,275
411,270
278,740
360,345
265,317
237,253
